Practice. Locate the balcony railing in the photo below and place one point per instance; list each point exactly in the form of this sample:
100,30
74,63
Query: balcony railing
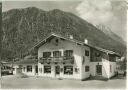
64,60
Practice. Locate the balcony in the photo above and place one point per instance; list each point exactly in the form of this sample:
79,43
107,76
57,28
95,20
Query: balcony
55,60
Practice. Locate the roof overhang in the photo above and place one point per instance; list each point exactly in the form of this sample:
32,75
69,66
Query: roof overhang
40,43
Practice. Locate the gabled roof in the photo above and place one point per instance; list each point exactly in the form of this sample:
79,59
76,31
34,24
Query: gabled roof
106,51
59,36
40,43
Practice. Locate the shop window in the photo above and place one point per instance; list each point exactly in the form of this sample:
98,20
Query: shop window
68,70
86,53
56,53
29,68
86,68
46,54
68,53
47,69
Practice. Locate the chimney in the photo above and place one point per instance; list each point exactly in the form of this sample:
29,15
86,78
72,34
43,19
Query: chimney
86,41
71,36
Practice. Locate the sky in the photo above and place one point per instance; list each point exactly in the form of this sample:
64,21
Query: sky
111,13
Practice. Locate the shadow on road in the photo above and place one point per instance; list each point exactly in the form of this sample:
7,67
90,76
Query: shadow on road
118,77
104,79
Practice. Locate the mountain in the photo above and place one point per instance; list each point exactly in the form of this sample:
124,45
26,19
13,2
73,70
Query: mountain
111,34
22,28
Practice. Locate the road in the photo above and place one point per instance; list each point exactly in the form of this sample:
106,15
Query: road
11,82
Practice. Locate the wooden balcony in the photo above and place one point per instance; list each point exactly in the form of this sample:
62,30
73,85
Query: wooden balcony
55,60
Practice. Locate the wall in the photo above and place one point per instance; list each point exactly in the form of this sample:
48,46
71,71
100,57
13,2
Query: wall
15,71
29,73
63,45
105,68
113,65
86,62
15,67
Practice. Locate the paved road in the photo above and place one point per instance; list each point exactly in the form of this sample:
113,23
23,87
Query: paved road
10,82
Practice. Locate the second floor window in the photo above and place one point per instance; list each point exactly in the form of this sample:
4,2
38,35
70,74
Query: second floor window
86,53
56,53
97,54
46,54
68,53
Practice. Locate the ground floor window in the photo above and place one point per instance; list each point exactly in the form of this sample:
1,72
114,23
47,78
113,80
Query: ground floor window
29,68
57,69
86,68
47,69
68,70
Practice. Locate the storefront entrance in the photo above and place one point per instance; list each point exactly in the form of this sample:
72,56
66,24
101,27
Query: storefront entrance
57,71
36,69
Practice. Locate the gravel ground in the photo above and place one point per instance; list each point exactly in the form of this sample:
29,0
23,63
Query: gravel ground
15,82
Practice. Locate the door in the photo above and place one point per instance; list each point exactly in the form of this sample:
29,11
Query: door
99,69
36,69
57,70
18,70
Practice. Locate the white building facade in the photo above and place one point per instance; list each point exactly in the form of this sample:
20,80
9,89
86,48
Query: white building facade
61,57
28,67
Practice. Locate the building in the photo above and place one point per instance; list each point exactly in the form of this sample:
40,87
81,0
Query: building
66,57
26,66
6,68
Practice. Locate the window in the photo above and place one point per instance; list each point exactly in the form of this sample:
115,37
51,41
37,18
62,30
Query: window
86,53
68,53
112,58
68,70
97,54
13,69
29,68
56,53
20,66
46,54
86,68
57,40
47,69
